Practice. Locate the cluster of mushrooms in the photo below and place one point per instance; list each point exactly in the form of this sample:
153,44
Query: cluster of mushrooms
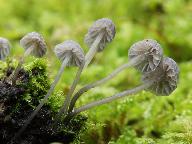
159,74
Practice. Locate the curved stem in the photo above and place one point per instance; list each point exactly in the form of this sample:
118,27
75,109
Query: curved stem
18,68
114,97
63,110
16,72
93,49
64,64
88,58
87,87
29,50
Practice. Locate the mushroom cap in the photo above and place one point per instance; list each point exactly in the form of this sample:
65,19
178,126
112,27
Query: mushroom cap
70,48
166,77
104,25
4,48
151,50
36,40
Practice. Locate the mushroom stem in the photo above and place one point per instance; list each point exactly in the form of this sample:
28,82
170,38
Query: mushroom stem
110,99
16,72
93,49
29,50
87,87
64,64
63,110
21,61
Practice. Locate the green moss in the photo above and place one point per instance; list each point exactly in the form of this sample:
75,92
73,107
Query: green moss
3,66
56,100
38,79
32,82
21,99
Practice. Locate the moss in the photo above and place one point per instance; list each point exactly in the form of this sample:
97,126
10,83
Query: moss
38,81
32,82
18,101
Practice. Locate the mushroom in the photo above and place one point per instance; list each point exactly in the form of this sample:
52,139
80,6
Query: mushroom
99,34
77,60
152,52
34,44
162,81
4,48
166,77
70,54
144,55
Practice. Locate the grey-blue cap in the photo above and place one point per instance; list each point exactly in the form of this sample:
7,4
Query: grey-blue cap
152,52
105,26
72,49
36,41
165,77
4,48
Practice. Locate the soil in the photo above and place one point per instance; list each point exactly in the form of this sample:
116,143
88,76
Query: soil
14,111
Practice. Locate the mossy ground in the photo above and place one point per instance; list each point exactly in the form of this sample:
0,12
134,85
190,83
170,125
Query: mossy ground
18,101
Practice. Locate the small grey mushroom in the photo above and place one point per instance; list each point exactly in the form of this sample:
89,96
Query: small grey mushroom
62,51
151,51
34,44
105,26
72,49
166,77
70,53
99,34
4,48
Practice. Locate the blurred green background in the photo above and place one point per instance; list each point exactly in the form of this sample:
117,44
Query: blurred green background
140,119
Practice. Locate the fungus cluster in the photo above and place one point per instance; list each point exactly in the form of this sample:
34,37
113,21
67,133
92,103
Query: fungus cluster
159,74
